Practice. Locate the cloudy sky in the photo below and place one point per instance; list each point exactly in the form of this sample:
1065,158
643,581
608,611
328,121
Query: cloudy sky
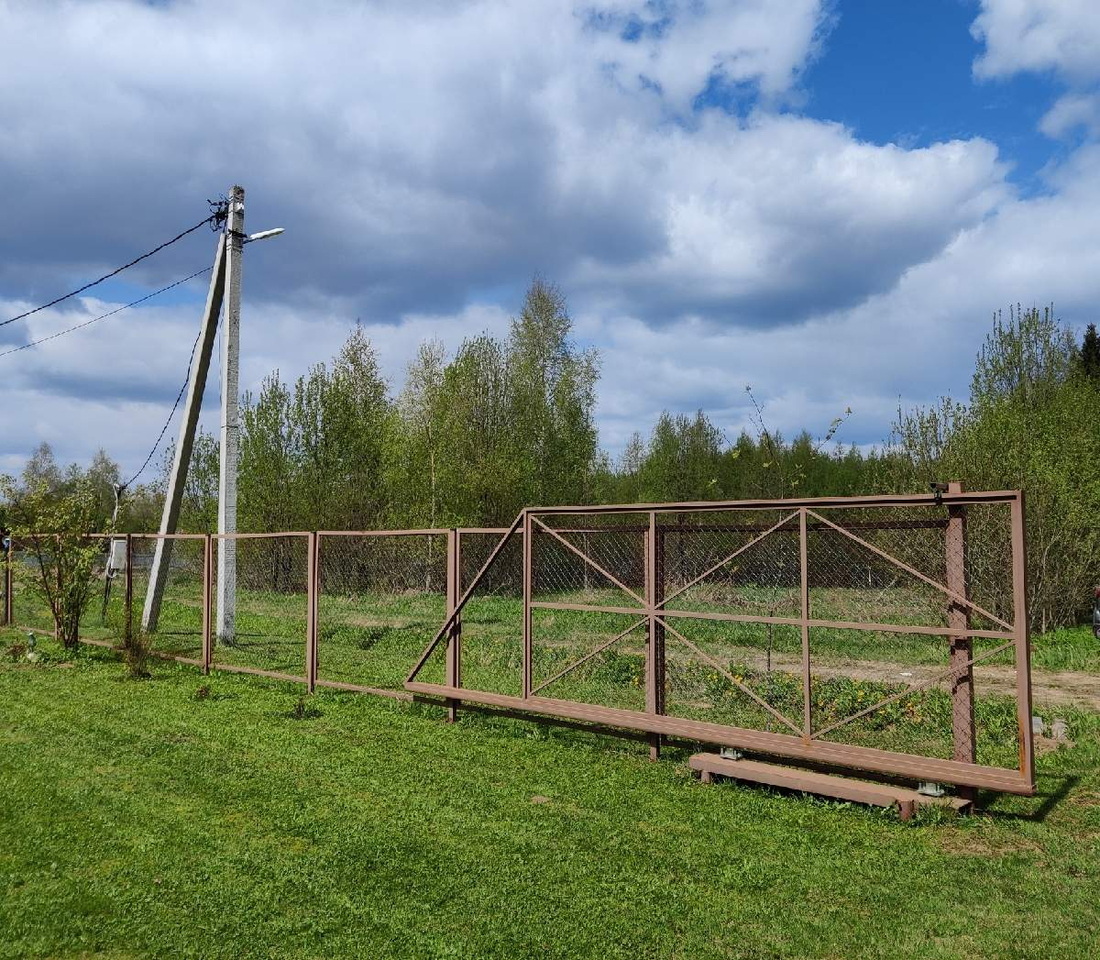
826,200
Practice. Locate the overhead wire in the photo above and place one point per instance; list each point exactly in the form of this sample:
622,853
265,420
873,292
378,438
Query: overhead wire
213,218
110,313
175,406
216,219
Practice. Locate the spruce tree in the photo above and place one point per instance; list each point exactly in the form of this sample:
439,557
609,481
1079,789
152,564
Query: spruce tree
1090,353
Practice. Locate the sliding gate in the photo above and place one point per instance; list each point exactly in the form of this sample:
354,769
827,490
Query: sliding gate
880,633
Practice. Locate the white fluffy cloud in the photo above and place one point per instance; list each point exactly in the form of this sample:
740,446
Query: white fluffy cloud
1056,36
427,159
906,345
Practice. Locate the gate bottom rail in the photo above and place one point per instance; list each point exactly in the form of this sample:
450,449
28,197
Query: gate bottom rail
774,744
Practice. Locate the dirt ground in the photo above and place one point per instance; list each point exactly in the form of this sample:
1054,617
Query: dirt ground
1056,688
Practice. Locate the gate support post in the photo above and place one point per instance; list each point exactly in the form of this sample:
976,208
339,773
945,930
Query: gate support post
454,636
804,605
207,591
528,583
958,619
655,648
1023,640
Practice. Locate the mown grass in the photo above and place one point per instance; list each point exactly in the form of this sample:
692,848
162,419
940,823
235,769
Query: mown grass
208,817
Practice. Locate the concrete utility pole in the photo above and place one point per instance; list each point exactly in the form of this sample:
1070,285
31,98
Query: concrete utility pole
225,280
162,556
231,363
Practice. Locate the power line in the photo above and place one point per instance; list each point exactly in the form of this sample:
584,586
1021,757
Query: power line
111,313
213,218
175,406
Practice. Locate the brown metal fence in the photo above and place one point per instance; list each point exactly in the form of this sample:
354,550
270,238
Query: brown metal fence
23,603
378,594
274,609
340,609
878,633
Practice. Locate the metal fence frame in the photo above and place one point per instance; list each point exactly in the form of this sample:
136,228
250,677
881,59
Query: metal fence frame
310,653
804,744
653,723
314,661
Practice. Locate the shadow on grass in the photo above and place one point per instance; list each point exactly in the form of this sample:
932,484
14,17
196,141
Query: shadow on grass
1053,790
364,638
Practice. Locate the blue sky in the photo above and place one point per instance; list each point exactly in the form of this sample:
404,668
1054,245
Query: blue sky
903,73
825,199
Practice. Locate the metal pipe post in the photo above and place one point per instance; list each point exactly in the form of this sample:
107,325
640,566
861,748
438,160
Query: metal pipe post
654,594
454,636
129,616
1023,640
59,586
528,583
961,646
804,593
312,584
8,611
207,593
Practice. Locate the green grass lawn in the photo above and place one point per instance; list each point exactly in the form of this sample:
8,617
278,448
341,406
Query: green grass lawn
143,818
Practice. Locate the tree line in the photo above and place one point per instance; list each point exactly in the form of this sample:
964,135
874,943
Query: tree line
504,422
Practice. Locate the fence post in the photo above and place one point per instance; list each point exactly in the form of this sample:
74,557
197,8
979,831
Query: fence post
528,582
454,637
58,585
9,579
804,603
312,587
958,619
655,648
207,633
129,618
1023,639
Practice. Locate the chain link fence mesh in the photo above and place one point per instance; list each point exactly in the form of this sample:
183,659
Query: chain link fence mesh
272,605
591,559
102,618
589,656
178,630
731,562
30,608
381,600
492,619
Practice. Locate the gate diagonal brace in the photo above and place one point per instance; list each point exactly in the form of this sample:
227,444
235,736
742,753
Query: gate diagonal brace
588,656
453,616
732,679
962,601
952,671
736,553
587,559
